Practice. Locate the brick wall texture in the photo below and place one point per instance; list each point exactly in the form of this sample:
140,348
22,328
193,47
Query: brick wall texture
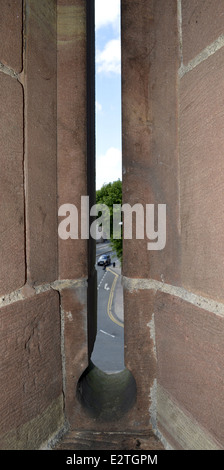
172,123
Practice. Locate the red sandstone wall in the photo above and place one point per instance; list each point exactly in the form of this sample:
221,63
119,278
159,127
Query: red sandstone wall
44,292
172,59
30,345
173,154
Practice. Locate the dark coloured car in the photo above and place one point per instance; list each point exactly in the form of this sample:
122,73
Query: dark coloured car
104,259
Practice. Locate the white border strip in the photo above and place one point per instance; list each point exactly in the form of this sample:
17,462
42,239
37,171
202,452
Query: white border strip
197,300
207,52
21,294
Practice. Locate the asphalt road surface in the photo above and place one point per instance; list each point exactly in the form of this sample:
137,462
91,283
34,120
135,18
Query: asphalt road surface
108,353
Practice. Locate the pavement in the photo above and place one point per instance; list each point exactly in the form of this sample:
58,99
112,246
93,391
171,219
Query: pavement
118,301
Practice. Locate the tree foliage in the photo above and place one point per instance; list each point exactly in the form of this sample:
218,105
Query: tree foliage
109,195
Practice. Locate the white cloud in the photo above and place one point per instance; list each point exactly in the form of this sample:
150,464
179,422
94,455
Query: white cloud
108,167
109,59
107,12
98,106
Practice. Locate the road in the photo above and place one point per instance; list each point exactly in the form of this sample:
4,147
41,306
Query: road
108,353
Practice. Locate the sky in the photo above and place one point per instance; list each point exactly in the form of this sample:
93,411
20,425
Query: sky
108,91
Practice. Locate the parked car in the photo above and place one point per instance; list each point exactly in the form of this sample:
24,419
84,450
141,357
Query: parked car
104,259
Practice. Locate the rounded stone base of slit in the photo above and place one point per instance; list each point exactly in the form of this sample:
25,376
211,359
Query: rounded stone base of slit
106,397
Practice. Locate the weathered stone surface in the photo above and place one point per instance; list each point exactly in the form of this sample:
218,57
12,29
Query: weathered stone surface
72,148
139,350
74,320
110,441
31,373
150,158
36,433
11,34
173,349
189,345
41,141
202,24
201,182
12,266
181,429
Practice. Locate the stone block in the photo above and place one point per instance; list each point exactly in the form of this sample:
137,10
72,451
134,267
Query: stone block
198,31
41,141
74,319
31,371
201,182
139,352
72,129
107,440
189,345
150,145
12,255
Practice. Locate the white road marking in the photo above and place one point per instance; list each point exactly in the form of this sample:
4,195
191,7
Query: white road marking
102,281
112,336
106,287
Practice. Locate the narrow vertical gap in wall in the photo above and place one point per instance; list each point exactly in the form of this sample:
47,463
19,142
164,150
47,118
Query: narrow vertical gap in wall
108,392
23,58
91,144
108,352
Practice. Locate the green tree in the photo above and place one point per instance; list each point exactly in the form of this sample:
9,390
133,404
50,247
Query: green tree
109,195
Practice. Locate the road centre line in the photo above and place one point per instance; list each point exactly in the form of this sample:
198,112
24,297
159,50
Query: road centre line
101,280
102,331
